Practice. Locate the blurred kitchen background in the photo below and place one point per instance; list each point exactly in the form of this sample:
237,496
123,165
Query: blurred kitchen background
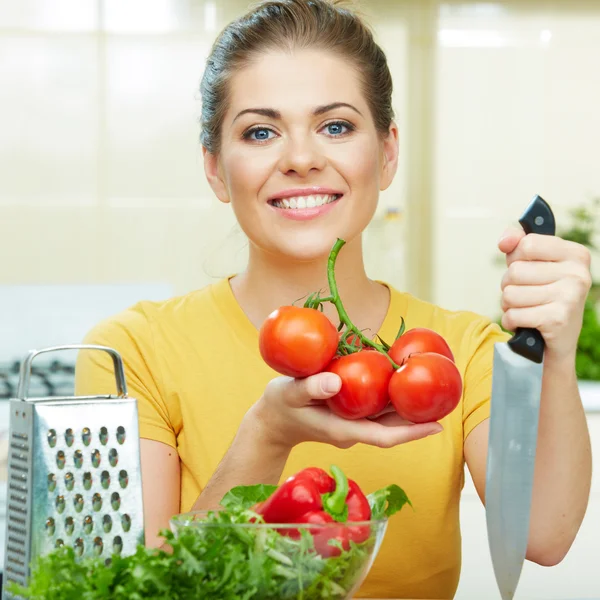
103,199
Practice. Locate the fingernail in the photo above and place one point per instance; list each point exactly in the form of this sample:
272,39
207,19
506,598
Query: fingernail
331,383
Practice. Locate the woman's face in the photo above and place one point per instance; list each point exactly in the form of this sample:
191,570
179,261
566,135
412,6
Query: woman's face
300,161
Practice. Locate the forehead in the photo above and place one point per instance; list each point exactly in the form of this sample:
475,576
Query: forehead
295,80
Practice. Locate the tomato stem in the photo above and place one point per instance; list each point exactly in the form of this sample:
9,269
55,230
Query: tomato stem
337,302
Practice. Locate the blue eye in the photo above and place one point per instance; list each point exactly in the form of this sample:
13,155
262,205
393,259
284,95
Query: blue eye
338,128
258,134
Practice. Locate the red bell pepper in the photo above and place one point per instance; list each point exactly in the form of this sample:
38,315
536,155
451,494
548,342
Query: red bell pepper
312,496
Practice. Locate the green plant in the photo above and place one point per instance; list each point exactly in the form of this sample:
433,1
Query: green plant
582,229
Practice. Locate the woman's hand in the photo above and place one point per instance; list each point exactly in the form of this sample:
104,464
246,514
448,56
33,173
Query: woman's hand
292,411
545,287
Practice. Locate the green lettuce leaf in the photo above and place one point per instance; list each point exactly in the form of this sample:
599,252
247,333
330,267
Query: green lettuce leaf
246,496
387,501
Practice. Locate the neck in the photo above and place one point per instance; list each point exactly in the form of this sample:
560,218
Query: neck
269,282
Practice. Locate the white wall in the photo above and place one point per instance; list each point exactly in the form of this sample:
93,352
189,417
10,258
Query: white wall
517,115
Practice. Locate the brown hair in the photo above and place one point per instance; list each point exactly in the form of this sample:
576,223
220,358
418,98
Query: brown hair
286,25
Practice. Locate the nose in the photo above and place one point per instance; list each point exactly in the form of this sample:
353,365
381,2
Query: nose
300,155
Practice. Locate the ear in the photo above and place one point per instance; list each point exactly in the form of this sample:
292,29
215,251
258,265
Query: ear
389,165
214,175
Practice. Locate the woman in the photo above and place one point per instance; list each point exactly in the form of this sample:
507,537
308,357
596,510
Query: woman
298,135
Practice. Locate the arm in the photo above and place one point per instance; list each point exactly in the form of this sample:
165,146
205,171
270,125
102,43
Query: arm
289,413
251,459
161,483
545,287
563,466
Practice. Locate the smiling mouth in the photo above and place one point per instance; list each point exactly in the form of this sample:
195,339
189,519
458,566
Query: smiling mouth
301,202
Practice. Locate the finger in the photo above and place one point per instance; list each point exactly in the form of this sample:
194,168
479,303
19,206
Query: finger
546,247
534,273
302,392
388,409
543,318
510,238
373,433
391,419
519,296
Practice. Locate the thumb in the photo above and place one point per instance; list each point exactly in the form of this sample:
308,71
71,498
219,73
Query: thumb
510,239
299,392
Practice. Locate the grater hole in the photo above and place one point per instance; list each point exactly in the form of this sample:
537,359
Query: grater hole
96,458
126,522
52,438
115,501
78,458
86,436
51,482
79,546
87,480
98,546
78,502
103,436
105,479
59,543
107,523
123,478
97,502
69,525
88,525
50,526
113,457
60,459
69,437
118,544
69,481
121,434
60,504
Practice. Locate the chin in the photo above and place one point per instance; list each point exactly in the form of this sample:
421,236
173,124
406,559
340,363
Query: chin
308,248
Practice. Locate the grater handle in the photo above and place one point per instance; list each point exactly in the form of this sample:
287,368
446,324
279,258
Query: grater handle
25,375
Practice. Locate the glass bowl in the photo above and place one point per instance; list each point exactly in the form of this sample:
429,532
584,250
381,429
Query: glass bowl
255,560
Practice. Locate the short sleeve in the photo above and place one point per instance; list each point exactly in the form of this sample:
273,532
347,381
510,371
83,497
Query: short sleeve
130,334
478,374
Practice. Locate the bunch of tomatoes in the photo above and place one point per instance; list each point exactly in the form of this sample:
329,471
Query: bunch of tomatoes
416,374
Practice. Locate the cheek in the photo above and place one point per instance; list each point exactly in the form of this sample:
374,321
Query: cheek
360,165
247,172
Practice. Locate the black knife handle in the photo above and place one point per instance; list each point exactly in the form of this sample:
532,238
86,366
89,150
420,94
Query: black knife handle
537,218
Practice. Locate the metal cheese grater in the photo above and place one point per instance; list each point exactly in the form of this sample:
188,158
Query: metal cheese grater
74,474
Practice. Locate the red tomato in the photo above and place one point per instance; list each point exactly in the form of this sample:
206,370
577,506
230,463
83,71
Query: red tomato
418,340
427,387
365,378
297,341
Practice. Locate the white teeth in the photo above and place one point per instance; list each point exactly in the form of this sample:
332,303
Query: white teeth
301,202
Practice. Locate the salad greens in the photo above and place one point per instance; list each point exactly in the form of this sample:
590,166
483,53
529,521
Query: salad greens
215,561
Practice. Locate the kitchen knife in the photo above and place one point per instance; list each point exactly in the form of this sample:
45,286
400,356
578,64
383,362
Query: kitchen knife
513,429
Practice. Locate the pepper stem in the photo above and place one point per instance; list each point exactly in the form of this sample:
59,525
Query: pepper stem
335,503
337,302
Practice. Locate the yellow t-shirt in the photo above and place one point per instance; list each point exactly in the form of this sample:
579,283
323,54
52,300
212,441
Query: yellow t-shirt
193,364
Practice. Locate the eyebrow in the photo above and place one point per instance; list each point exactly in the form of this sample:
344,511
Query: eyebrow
271,113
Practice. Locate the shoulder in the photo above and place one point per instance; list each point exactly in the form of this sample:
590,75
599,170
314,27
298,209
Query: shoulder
465,330
143,319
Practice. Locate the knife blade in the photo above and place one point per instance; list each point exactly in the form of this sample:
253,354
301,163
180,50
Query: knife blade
513,432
